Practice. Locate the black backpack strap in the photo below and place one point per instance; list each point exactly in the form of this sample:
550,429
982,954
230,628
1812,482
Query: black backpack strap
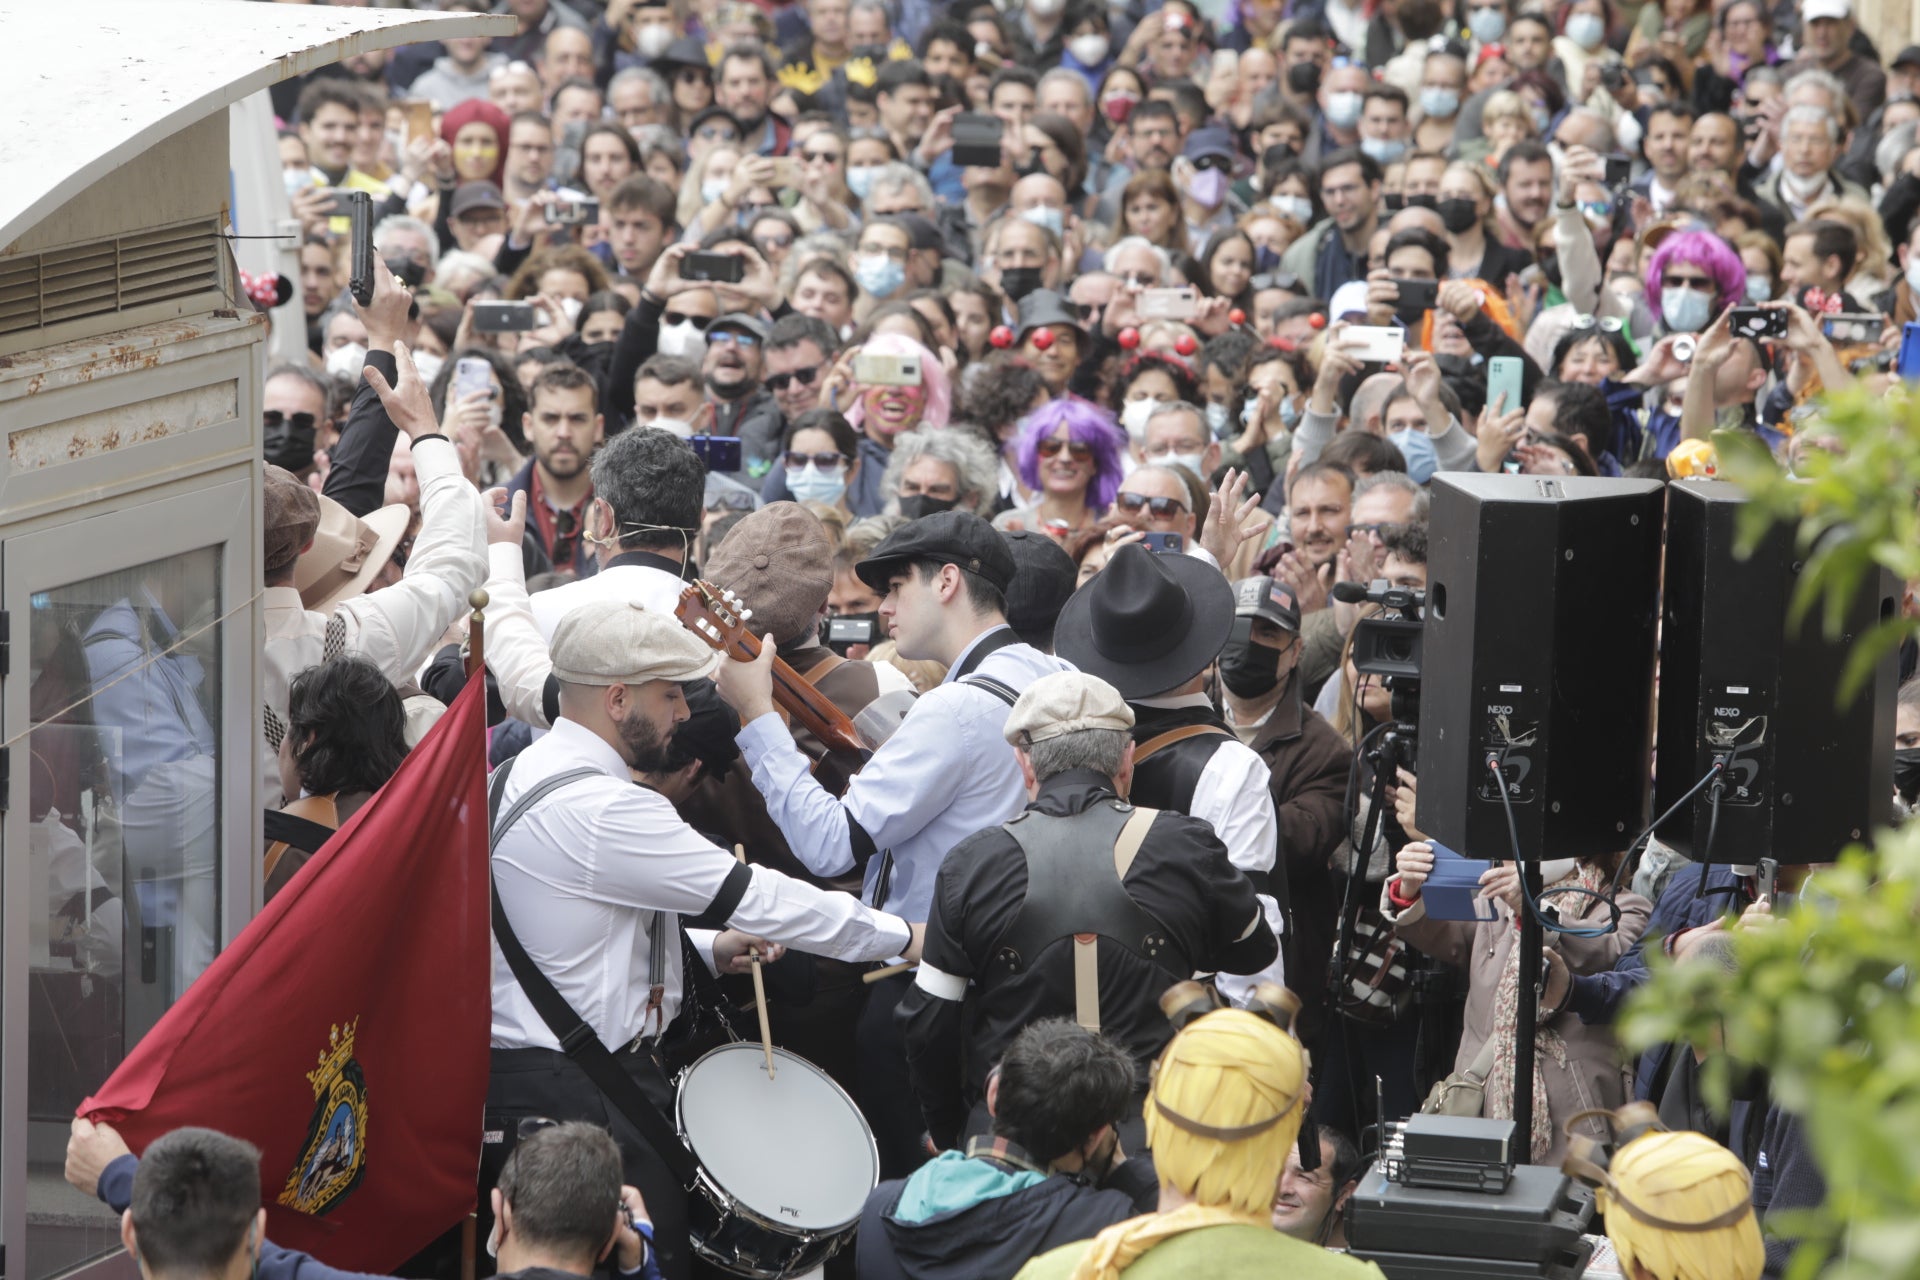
578,1040
1006,693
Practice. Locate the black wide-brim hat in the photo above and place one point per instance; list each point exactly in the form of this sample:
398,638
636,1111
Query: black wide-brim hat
1148,622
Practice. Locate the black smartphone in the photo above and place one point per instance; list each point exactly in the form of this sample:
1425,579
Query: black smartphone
1619,170
717,453
1767,876
1168,544
1848,328
1417,297
503,317
721,267
1758,322
573,213
844,633
360,215
976,140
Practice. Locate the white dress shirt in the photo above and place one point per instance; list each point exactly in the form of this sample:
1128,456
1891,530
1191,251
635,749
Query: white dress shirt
946,773
582,872
1233,796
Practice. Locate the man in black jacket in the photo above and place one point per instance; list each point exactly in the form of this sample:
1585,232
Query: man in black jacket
1081,905
1052,1172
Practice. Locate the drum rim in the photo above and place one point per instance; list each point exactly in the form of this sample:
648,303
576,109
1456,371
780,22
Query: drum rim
732,1200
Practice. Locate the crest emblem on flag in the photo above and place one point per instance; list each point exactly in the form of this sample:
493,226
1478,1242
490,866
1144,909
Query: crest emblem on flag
335,1153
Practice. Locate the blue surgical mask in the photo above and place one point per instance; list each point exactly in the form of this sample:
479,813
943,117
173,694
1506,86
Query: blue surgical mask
1541,119
860,179
1265,260
1217,418
810,484
1052,219
1299,208
712,189
1587,30
1685,310
1417,447
1439,104
1384,150
879,275
1760,288
1487,25
1290,412
1343,109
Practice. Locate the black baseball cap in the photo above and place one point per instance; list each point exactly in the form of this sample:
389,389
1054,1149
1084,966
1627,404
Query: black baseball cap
947,537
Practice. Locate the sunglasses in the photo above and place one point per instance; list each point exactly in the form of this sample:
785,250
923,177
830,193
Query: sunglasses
1377,529
1076,450
299,421
1140,279
798,461
734,336
1221,163
772,244
681,317
1699,284
1159,508
777,382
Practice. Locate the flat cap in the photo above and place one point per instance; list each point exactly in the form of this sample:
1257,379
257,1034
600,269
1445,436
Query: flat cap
618,642
1066,702
292,515
948,537
1044,577
780,564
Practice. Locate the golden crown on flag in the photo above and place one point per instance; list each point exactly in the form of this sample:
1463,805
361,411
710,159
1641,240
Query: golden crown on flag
861,71
334,1058
802,78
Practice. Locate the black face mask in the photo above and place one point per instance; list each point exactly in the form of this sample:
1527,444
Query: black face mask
916,505
1394,201
1457,366
1550,268
1423,202
1303,78
286,444
1906,772
1018,282
1458,214
1248,668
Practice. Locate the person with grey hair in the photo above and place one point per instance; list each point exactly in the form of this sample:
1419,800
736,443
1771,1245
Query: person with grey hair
931,471
639,97
410,247
1809,152
1123,253
898,188
1152,892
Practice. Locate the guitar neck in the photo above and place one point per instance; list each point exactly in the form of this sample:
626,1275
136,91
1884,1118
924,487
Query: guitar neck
813,710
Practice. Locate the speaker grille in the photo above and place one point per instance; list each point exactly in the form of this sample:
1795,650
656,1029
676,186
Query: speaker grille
106,277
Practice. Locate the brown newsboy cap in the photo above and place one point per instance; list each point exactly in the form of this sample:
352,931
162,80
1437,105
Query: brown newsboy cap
292,516
780,564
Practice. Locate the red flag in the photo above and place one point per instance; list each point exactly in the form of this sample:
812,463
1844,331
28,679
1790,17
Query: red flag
345,1031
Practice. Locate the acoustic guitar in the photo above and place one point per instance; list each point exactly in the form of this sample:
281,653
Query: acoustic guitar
719,617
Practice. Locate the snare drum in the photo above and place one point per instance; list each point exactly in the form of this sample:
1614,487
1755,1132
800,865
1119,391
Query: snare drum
786,1164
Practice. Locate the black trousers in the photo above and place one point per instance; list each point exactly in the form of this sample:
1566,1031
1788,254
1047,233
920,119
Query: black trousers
886,1093
525,1083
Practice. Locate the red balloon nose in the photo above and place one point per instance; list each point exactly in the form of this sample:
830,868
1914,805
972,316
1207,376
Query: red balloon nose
1185,344
1129,337
1237,316
1316,321
1001,336
1043,339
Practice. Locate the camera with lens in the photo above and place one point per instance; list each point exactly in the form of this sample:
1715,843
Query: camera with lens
1388,644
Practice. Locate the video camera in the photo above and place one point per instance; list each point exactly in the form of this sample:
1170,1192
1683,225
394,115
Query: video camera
1388,644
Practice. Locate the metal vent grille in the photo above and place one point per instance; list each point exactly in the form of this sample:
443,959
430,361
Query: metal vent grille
104,277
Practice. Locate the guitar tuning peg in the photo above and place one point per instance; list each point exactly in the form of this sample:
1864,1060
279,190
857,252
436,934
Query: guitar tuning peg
746,614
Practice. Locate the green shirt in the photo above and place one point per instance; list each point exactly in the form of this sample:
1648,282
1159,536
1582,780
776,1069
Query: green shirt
1218,1253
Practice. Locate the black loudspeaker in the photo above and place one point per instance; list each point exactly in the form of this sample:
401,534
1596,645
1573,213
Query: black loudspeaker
1542,598
1803,776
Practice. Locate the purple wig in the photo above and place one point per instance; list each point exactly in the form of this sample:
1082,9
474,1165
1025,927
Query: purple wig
1708,252
1087,423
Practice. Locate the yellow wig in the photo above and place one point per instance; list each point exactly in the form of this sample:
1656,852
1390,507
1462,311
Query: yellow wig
1681,1205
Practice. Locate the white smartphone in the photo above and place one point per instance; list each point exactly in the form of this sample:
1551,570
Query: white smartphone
1381,344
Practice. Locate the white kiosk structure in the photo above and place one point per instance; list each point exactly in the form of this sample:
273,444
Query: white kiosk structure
130,545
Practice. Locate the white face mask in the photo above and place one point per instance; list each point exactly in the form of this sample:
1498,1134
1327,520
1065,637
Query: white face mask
685,340
1299,208
572,307
428,364
1088,51
1343,109
1913,276
673,426
1046,8
1134,415
346,362
1194,462
712,189
652,40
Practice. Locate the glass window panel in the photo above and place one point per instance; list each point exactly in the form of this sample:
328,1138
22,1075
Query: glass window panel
123,850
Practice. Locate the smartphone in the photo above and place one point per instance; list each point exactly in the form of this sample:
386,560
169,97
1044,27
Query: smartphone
1851,328
1169,304
886,371
717,453
1758,322
1767,878
976,140
786,173
471,374
721,267
1909,363
1167,544
360,233
1374,344
419,113
1417,297
333,201
844,633
1619,170
1504,378
503,317
572,212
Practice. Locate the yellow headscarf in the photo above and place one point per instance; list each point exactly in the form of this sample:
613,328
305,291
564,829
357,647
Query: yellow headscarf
1224,1109
1664,1189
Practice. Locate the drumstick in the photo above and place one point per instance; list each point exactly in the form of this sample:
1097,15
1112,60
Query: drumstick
759,989
874,975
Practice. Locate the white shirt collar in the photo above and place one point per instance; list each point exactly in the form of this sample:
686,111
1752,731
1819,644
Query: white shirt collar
589,747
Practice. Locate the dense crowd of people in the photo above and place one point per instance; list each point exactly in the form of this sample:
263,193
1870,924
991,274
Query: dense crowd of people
1029,374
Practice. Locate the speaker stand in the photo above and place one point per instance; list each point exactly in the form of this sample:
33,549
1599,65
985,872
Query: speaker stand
1527,1014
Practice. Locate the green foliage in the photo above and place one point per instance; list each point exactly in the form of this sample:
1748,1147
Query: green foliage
1827,997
